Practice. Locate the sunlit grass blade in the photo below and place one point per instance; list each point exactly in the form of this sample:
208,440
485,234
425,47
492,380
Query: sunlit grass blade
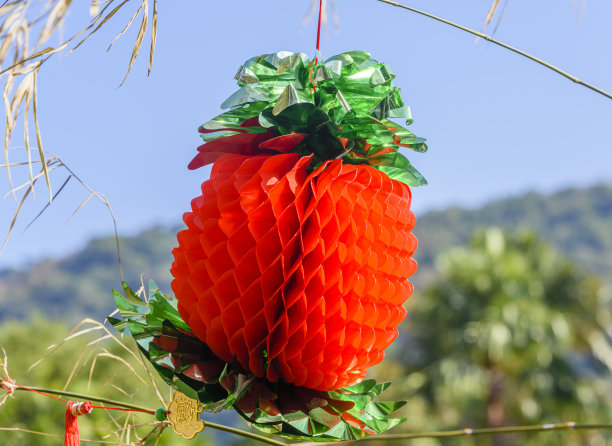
26,139
106,354
10,229
127,26
49,203
139,38
30,183
20,24
54,19
78,363
41,152
89,197
491,13
153,36
27,59
101,24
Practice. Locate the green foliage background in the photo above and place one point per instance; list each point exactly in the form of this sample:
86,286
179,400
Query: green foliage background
509,335
26,342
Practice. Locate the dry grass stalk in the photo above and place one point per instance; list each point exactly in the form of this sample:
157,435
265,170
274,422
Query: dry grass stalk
5,377
94,341
26,28
51,163
579,6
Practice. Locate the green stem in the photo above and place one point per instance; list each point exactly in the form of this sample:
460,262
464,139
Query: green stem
246,434
86,397
504,45
570,425
220,427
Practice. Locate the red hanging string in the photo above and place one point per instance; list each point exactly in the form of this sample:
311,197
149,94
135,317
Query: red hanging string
93,407
319,26
316,58
73,410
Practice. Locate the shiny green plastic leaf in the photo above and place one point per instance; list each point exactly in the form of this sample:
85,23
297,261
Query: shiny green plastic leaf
383,408
410,176
362,387
233,118
349,62
349,96
304,117
407,138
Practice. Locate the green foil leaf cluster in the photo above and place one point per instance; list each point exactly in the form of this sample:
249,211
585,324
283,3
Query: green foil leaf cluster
188,365
343,105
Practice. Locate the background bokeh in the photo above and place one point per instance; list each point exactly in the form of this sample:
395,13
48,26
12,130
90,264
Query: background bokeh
510,321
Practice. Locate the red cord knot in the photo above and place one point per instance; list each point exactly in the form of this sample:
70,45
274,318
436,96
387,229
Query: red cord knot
73,410
76,409
9,386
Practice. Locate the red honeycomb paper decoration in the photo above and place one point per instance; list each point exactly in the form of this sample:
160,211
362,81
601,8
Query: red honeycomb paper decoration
295,274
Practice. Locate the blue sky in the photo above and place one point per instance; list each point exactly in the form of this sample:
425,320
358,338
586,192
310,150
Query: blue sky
497,125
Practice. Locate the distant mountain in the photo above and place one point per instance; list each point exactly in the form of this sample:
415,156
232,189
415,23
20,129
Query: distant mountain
80,284
577,221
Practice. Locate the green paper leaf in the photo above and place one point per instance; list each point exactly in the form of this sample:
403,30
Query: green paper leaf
397,167
362,387
248,93
348,62
407,138
323,144
300,118
233,118
383,408
410,176
381,387
162,311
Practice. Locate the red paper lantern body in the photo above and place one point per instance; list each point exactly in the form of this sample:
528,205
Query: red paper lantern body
296,276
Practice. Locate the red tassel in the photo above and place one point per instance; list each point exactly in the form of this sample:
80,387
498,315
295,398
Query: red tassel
73,410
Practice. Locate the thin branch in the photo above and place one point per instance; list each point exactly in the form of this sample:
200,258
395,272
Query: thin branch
209,424
504,45
242,433
570,425
82,396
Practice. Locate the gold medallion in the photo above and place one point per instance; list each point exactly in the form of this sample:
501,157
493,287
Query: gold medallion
183,415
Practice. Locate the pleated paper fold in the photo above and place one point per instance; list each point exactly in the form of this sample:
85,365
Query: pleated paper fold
296,274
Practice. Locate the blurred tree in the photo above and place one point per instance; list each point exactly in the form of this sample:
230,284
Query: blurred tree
505,336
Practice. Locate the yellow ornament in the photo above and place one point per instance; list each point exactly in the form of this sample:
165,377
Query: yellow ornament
183,415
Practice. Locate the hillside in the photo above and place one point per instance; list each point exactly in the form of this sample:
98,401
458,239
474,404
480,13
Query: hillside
577,221
80,284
